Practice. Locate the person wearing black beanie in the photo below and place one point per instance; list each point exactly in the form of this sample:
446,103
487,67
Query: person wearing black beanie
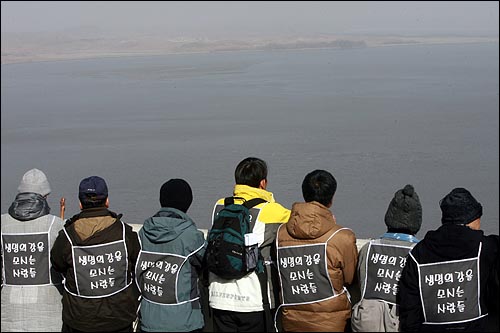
460,207
377,308
450,276
167,235
176,193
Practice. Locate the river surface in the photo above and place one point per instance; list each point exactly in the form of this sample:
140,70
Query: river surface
377,118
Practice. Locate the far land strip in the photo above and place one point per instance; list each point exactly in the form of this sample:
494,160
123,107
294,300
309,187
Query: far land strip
19,48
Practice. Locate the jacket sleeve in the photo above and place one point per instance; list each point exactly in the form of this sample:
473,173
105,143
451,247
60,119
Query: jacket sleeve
133,247
410,309
197,259
273,215
493,284
349,253
359,278
60,253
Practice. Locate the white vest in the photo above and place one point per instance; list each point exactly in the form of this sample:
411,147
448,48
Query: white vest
26,258
100,270
450,290
384,264
157,276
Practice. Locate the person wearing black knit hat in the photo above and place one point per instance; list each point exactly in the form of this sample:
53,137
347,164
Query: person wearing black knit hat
377,308
167,235
460,207
450,275
176,193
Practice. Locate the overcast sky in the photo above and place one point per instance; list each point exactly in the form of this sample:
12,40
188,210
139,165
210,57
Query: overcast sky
241,18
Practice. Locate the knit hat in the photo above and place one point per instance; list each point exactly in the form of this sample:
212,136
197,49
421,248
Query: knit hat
460,207
94,187
34,181
405,211
176,193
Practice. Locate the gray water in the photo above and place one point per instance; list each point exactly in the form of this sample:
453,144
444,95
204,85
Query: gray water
377,118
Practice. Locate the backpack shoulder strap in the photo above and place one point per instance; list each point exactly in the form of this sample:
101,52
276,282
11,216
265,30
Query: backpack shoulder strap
253,202
228,201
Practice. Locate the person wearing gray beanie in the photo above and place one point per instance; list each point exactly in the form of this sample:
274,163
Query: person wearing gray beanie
404,213
31,200
34,181
28,223
377,309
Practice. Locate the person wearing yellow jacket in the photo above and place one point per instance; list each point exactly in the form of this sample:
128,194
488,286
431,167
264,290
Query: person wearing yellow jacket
237,303
316,261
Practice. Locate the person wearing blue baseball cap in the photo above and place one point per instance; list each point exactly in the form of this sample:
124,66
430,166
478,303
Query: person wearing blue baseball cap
96,252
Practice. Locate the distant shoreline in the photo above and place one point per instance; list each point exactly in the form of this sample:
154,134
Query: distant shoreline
13,59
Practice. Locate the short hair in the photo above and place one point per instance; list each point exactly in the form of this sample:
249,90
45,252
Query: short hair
92,201
320,186
250,172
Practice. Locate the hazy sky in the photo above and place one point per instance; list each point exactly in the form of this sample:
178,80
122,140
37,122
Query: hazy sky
241,18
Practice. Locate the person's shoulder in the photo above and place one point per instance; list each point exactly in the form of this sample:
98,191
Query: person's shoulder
342,236
220,201
56,218
57,223
276,205
494,239
491,244
273,212
130,229
193,231
344,231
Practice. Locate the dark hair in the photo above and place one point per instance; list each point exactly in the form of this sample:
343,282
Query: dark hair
320,186
92,201
250,172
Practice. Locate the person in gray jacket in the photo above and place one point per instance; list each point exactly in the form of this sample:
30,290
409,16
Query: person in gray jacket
170,263
31,288
381,262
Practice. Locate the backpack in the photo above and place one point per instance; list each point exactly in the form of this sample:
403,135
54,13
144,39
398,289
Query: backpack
226,254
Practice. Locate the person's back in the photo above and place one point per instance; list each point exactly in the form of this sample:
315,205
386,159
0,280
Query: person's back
237,304
316,260
380,263
96,252
444,283
169,264
31,289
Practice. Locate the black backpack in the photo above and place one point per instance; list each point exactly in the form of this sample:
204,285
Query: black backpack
226,254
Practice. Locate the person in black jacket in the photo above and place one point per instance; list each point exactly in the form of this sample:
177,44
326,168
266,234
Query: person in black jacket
446,283
96,253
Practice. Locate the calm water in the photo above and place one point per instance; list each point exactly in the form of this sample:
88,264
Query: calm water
376,118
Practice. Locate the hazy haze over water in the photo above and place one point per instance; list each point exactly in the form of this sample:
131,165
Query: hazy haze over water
234,19
377,118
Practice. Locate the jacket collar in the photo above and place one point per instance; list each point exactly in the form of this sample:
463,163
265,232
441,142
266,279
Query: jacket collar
247,192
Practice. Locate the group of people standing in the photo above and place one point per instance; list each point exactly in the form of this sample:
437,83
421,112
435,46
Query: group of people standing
93,273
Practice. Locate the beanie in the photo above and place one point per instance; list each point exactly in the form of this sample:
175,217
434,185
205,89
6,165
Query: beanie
460,207
405,211
176,193
34,181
